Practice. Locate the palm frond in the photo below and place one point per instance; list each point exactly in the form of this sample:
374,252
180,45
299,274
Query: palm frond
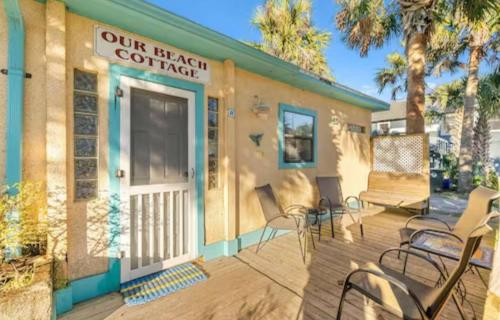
366,24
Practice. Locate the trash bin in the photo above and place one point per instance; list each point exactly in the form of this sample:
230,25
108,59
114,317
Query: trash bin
437,179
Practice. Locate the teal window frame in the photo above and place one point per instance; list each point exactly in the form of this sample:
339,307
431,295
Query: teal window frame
281,137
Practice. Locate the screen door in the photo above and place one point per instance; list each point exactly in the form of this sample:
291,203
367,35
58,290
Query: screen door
157,150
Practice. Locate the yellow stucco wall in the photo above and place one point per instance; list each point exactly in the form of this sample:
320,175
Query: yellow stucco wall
87,221
339,152
34,166
3,91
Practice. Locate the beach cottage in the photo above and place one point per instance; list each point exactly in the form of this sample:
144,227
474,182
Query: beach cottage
151,132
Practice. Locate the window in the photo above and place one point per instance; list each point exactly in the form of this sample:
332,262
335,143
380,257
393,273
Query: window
85,134
384,127
298,135
213,143
355,128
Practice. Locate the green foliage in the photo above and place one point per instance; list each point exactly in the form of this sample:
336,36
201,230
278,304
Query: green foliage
489,180
367,24
449,97
450,165
394,75
23,218
288,33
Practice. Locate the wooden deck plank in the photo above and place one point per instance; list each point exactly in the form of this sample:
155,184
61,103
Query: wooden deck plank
276,284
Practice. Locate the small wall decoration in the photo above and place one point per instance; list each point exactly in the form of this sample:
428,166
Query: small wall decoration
256,137
260,109
335,121
231,113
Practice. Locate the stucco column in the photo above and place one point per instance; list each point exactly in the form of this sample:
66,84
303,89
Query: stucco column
56,136
230,186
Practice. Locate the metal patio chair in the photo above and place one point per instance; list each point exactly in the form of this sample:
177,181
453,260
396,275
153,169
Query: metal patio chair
332,202
278,218
480,203
405,296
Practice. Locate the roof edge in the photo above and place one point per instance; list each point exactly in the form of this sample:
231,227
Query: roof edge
292,74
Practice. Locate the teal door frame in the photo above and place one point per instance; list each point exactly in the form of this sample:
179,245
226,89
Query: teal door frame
104,283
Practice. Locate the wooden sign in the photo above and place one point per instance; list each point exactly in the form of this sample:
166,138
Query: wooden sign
118,46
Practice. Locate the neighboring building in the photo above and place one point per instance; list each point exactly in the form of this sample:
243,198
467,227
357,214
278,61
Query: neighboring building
442,134
495,143
128,105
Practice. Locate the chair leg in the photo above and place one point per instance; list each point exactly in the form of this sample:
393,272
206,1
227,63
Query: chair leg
461,310
312,237
361,230
399,252
346,288
406,262
331,222
261,237
305,246
319,228
300,246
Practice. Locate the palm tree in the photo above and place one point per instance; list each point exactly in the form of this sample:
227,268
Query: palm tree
369,24
288,33
394,75
456,36
448,98
488,99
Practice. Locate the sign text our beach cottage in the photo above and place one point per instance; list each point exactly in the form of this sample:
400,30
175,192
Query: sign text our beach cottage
121,47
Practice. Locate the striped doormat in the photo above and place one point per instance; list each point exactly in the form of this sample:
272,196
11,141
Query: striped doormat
156,285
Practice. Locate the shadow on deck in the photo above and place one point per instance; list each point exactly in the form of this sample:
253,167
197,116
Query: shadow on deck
275,284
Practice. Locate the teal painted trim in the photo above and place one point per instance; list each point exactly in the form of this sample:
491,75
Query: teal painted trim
97,285
231,247
114,139
15,109
63,301
251,238
15,91
156,23
281,156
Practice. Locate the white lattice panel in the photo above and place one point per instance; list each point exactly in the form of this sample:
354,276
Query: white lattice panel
398,154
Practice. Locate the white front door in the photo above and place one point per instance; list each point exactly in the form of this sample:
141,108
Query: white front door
157,185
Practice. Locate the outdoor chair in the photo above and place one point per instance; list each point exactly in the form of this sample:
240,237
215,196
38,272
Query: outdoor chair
406,297
440,242
332,202
278,218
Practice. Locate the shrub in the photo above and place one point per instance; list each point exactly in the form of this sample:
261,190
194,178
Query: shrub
23,223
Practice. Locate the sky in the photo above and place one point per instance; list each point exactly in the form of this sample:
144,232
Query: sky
232,17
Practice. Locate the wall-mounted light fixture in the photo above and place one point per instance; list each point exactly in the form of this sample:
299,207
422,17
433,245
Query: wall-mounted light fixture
260,109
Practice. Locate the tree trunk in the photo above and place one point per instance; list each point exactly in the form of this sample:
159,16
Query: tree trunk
415,101
465,157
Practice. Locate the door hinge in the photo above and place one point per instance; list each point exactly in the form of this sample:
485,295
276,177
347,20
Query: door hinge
120,173
122,254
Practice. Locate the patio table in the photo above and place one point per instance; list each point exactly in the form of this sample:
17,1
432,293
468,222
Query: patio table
447,248
318,214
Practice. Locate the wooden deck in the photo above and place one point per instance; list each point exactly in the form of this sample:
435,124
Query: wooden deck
275,284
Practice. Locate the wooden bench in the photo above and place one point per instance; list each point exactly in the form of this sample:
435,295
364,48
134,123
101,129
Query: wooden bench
399,175
400,190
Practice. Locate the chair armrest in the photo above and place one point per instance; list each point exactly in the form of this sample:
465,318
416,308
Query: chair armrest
322,199
297,217
401,285
346,203
415,254
293,207
419,217
438,231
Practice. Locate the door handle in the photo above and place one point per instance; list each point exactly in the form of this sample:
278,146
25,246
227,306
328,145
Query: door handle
192,173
